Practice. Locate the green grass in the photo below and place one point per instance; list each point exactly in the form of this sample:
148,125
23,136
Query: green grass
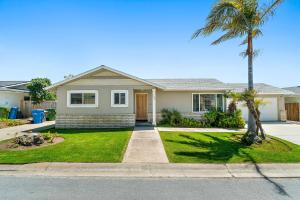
183,147
79,146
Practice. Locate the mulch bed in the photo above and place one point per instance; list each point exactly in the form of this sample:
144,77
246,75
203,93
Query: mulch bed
9,145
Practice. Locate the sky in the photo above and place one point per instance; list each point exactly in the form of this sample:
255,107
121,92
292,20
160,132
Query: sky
145,38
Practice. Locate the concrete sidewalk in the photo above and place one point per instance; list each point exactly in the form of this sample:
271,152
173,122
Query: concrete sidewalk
11,132
145,146
143,170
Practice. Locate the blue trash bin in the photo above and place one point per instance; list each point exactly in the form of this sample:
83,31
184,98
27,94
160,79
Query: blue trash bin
38,116
13,113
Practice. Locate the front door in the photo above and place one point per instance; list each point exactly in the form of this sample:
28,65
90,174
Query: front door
141,100
292,111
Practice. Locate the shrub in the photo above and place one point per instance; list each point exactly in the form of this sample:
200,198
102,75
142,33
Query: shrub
4,112
192,123
170,117
51,114
49,137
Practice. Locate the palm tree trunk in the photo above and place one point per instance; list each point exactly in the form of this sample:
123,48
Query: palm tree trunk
251,120
250,136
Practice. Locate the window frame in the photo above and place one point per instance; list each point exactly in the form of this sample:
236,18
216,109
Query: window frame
216,105
95,105
112,99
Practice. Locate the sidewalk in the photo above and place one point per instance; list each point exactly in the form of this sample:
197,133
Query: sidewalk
8,133
143,170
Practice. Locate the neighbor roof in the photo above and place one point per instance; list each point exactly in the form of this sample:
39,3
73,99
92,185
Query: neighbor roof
14,86
295,89
261,88
12,83
190,84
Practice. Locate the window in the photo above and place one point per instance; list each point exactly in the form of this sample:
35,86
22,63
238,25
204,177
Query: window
119,98
207,102
82,98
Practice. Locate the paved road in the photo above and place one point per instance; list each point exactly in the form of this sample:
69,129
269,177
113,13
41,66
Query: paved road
31,188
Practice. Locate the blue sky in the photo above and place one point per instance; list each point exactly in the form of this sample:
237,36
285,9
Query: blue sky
146,38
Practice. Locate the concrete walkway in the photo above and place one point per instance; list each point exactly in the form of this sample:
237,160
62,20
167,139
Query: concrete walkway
145,146
11,132
171,129
147,170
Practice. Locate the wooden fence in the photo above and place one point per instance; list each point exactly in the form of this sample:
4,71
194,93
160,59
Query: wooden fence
28,106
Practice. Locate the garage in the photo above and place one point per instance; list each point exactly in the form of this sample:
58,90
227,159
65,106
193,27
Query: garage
269,112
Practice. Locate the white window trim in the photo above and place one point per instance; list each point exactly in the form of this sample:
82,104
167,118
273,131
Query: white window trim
112,102
69,105
200,102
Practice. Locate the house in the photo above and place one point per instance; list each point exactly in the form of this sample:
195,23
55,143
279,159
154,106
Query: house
12,93
105,97
292,103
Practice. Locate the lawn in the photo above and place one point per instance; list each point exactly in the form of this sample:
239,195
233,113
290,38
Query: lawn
183,147
79,146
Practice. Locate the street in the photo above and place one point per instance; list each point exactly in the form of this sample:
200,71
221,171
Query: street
89,188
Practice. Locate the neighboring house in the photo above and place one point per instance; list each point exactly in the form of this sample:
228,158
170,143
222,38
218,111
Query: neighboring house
13,92
105,97
292,104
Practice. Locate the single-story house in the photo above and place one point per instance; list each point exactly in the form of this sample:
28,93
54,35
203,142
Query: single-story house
105,97
292,103
12,93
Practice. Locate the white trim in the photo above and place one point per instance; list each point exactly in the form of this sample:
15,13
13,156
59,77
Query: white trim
69,105
101,68
112,103
154,106
135,102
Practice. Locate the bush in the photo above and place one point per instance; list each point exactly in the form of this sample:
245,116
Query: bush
212,118
49,137
4,112
170,117
224,120
51,114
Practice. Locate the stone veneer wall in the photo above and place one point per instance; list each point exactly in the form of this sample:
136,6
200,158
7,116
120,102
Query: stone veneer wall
95,121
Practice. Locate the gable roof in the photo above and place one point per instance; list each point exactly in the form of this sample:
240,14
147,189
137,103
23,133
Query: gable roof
191,84
295,89
202,84
261,88
102,67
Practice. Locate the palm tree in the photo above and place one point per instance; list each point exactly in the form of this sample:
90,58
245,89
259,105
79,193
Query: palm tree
238,19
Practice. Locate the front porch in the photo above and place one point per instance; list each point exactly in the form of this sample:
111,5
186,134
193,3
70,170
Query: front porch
145,106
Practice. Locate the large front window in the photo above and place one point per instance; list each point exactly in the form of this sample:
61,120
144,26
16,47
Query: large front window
207,102
119,98
82,98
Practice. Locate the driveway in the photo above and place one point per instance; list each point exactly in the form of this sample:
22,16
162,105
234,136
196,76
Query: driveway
285,130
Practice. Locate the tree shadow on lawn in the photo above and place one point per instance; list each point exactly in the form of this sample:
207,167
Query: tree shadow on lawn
222,150
216,149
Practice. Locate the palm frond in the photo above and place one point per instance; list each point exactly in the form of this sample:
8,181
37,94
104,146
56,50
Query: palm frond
269,10
256,33
227,36
245,53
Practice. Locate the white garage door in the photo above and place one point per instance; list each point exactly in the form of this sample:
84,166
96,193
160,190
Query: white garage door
269,112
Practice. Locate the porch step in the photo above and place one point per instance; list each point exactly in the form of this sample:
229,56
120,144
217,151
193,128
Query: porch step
148,124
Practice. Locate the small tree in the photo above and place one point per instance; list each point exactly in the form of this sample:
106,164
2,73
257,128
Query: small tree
253,104
37,90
